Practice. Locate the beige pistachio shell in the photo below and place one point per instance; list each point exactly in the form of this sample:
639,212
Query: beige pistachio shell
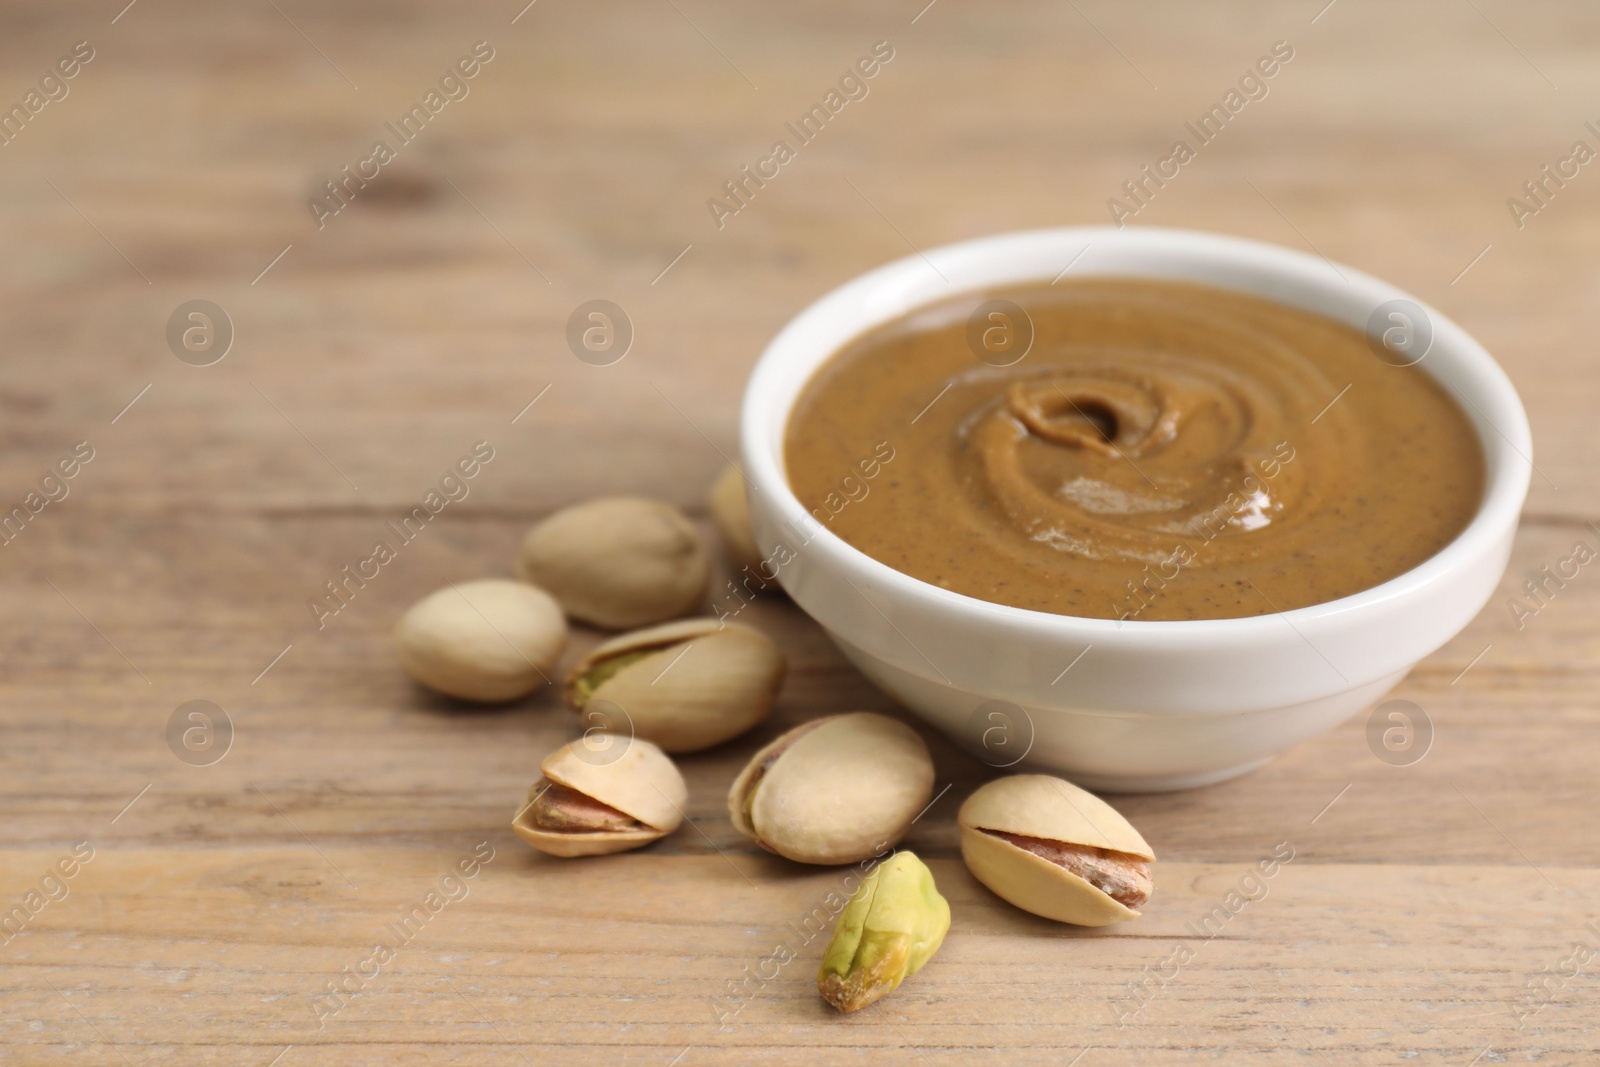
618,562
685,685
837,790
639,780
650,638
569,844
730,511
630,775
488,641
1038,805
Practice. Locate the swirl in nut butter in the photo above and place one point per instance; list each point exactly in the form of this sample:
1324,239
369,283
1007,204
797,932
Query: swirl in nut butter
1163,451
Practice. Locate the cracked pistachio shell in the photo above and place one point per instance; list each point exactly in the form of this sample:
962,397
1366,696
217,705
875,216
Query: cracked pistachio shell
489,641
625,773
894,923
618,562
730,511
1037,805
684,685
835,790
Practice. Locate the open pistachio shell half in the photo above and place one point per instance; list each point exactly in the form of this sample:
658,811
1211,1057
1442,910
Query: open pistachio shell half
1055,850
834,790
602,793
684,685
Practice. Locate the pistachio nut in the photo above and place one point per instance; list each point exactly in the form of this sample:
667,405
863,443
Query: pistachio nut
602,793
834,790
730,511
618,562
1055,850
488,640
894,923
685,685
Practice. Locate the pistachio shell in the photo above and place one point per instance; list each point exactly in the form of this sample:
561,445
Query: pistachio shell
637,779
489,640
1039,805
641,781
685,685
836,790
730,511
745,783
567,843
618,562
1050,809
650,639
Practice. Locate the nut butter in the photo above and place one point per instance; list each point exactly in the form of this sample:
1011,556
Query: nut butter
1148,450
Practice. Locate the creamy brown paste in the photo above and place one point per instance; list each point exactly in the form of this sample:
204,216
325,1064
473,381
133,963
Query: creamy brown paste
1161,451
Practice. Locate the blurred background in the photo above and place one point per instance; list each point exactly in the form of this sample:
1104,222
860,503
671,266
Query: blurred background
580,164
370,347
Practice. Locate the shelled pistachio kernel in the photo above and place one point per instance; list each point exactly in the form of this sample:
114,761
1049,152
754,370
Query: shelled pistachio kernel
1055,850
490,640
685,685
602,793
894,923
618,562
835,790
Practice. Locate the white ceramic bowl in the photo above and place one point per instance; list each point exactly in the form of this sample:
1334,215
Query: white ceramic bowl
1149,705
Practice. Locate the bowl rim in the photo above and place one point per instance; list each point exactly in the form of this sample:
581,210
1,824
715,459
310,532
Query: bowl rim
1504,435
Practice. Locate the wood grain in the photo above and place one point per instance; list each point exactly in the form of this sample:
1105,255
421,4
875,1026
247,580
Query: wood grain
221,901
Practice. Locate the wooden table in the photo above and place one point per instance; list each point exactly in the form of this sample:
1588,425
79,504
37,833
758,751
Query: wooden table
1430,910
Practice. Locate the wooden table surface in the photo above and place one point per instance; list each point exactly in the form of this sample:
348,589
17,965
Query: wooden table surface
1431,910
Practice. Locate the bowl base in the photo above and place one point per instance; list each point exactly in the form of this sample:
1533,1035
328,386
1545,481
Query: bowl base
1160,783
1115,751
